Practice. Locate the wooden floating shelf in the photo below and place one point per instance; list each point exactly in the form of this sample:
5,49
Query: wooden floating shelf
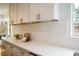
34,22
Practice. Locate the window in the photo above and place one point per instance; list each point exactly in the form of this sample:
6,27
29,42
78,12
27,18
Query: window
75,19
4,19
4,25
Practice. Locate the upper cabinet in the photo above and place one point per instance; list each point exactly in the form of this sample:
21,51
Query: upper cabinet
22,12
42,12
13,13
19,13
33,12
46,11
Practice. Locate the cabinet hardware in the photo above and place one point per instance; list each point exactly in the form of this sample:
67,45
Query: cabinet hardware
39,16
21,20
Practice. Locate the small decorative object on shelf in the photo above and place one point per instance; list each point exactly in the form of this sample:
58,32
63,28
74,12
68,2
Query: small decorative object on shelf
18,36
26,37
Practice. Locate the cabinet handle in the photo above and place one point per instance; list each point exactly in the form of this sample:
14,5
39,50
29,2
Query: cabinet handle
21,20
39,16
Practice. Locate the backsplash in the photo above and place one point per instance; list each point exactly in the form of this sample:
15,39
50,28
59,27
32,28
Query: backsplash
55,33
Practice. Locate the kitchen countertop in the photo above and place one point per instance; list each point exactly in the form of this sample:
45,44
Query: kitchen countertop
41,48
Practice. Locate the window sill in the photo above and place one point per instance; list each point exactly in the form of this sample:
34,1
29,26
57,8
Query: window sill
75,36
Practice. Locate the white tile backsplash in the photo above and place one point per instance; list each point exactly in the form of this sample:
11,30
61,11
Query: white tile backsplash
57,33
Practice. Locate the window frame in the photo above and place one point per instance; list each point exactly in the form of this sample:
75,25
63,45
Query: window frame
72,22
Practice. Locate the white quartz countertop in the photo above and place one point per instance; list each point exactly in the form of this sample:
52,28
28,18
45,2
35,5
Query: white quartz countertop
41,48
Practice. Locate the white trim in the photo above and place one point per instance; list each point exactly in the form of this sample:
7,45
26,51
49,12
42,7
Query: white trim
72,27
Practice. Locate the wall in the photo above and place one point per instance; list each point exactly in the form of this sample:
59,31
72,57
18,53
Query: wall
4,9
54,33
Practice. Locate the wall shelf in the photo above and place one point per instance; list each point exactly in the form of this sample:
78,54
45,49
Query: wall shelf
35,22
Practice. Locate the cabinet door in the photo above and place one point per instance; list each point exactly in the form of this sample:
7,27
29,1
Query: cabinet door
22,12
33,12
46,11
13,13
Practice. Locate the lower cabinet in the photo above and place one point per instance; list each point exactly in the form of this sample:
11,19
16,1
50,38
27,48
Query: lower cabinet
9,49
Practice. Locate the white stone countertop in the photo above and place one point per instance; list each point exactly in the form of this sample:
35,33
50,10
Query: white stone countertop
41,48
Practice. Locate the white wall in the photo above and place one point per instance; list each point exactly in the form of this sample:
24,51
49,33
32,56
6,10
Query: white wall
55,33
4,9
